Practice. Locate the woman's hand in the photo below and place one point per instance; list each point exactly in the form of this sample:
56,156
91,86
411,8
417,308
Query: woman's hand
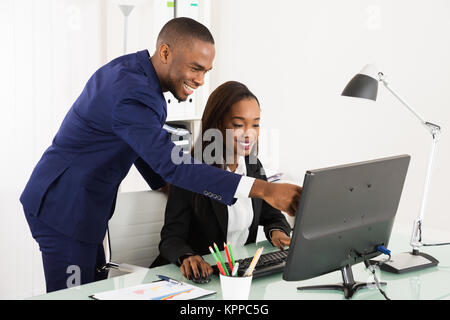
280,239
196,267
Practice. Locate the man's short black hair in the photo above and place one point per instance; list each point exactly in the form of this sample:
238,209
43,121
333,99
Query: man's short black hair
182,30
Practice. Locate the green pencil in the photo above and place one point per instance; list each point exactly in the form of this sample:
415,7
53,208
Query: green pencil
220,258
231,253
213,254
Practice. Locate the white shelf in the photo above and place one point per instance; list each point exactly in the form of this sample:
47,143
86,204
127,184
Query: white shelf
183,118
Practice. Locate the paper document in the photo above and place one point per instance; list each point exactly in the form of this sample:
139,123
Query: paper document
160,290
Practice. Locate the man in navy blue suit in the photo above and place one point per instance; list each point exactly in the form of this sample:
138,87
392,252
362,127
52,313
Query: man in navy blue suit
116,122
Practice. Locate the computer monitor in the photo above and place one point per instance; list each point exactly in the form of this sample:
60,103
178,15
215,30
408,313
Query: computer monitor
345,213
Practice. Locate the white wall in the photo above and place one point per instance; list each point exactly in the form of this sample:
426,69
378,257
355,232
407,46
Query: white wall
49,49
297,56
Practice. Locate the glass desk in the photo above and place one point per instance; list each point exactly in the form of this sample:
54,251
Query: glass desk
426,284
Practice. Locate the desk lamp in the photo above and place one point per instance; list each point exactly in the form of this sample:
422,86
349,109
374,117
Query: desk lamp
365,85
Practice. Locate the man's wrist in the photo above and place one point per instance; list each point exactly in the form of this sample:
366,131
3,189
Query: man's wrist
259,189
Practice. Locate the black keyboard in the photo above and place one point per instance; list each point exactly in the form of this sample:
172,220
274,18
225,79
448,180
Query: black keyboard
268,263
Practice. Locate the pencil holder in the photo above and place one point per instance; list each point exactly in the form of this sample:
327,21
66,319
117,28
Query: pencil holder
235,288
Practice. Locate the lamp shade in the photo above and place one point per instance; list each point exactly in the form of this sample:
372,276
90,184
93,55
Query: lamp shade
363,85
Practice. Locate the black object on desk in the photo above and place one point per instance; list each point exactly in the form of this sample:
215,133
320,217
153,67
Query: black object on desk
201,280
268,263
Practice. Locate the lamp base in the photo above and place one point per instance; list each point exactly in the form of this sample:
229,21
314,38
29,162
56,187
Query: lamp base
407,261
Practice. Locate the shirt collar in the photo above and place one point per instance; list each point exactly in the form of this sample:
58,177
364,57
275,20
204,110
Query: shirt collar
150,72
241,167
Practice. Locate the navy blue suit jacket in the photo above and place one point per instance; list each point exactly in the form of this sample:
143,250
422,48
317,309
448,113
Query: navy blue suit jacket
115,122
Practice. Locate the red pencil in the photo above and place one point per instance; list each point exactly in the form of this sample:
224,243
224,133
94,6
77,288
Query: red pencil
219,265
225,247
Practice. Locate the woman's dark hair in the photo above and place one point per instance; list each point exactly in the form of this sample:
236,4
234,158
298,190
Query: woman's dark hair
218,105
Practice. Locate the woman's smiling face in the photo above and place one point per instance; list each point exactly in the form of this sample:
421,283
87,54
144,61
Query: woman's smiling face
243,119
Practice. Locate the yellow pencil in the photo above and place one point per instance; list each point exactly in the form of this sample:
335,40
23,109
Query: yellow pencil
255,259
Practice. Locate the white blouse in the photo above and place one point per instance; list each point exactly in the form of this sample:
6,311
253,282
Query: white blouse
240,214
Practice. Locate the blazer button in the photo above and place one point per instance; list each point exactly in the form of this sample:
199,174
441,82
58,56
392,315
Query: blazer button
219,198
205,193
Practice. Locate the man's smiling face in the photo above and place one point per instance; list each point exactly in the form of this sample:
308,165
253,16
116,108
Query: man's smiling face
188,66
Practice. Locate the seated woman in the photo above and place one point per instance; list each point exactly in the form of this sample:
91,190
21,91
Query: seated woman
193,222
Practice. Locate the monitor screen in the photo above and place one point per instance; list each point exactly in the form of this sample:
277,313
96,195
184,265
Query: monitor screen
345,213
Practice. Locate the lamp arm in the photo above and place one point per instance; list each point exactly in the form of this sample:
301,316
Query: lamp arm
435,130
386,85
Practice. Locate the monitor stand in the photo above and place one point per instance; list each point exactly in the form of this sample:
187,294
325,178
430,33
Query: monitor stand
349,286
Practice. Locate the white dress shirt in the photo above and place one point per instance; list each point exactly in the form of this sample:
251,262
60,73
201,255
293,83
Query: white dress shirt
240,214
245,185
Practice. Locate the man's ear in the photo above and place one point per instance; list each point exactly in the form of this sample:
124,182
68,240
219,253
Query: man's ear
164,53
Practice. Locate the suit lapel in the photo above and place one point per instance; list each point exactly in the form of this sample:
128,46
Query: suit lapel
221,212
253,171
256,204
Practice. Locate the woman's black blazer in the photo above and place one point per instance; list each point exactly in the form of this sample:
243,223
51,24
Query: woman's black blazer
186,232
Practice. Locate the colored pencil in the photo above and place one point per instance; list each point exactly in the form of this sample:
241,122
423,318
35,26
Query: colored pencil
255,259
228,256
231,254
219,265
220,258
214,255
235,270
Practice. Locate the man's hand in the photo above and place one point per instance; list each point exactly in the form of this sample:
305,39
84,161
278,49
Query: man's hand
280,239
195,266
282,196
